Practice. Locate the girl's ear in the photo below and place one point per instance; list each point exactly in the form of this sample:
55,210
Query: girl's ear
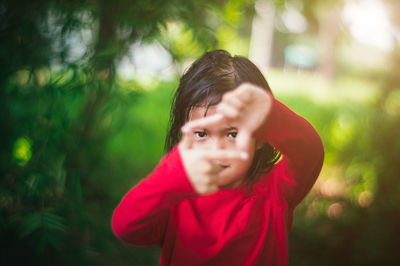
259,144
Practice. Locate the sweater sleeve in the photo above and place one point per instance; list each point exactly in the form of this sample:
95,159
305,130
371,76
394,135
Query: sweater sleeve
301,148
142,215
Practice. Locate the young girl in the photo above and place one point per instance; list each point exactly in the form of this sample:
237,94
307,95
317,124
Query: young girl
223,195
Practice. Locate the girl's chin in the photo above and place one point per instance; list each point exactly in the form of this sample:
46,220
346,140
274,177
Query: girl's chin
229,183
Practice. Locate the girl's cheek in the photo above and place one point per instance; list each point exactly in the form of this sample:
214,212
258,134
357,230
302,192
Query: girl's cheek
230,144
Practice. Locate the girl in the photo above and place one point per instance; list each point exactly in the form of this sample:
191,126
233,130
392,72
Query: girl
222,195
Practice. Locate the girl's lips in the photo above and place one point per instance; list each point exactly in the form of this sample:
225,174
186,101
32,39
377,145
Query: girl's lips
223,165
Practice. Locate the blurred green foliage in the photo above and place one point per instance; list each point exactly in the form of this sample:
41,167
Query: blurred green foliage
75,138
350,217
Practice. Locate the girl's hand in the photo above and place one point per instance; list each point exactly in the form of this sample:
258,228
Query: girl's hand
246,107
201,166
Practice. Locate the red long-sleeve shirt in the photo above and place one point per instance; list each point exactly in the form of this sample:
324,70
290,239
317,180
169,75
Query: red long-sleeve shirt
229,227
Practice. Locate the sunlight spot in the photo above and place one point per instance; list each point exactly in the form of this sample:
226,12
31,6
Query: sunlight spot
144,62
331,187
369,23
365,199
335,210
22,150
294,21
22,77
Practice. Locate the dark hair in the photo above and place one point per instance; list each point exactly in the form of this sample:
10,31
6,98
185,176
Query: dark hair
203,84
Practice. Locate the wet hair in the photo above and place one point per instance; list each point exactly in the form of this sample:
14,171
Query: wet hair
203,84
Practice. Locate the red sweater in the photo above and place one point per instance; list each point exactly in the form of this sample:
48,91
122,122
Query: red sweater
229,227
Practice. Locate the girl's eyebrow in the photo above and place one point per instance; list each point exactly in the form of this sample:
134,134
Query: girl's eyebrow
229,128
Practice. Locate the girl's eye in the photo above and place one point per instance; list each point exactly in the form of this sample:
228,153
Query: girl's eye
232,135
200,134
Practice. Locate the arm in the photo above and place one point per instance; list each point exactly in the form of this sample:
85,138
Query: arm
258,114
301,147
141,216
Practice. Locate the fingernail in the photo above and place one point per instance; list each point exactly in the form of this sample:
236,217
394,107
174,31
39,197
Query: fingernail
244,155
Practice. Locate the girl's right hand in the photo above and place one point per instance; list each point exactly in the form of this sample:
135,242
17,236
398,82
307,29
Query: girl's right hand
201,165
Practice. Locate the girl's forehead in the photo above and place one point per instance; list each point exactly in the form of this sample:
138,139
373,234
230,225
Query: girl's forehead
199,112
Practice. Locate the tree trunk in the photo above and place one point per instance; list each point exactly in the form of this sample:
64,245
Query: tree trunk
328,35
262,34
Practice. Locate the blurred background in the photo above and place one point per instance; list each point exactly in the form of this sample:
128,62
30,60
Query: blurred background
84,107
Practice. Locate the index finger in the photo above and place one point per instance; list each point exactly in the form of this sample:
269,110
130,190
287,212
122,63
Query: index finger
225,155
210,121
244,91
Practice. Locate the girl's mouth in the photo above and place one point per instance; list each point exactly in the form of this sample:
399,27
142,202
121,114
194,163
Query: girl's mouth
223,165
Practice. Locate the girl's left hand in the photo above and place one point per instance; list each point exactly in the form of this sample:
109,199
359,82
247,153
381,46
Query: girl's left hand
246,108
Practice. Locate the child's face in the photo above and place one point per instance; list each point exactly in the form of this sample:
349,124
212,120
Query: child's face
222,137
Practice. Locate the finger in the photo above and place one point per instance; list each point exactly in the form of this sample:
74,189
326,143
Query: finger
187,139
227,110
210,121
212,189
233,100
243,141
214,174
212,170
208,190
221,155
244,92
207,184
